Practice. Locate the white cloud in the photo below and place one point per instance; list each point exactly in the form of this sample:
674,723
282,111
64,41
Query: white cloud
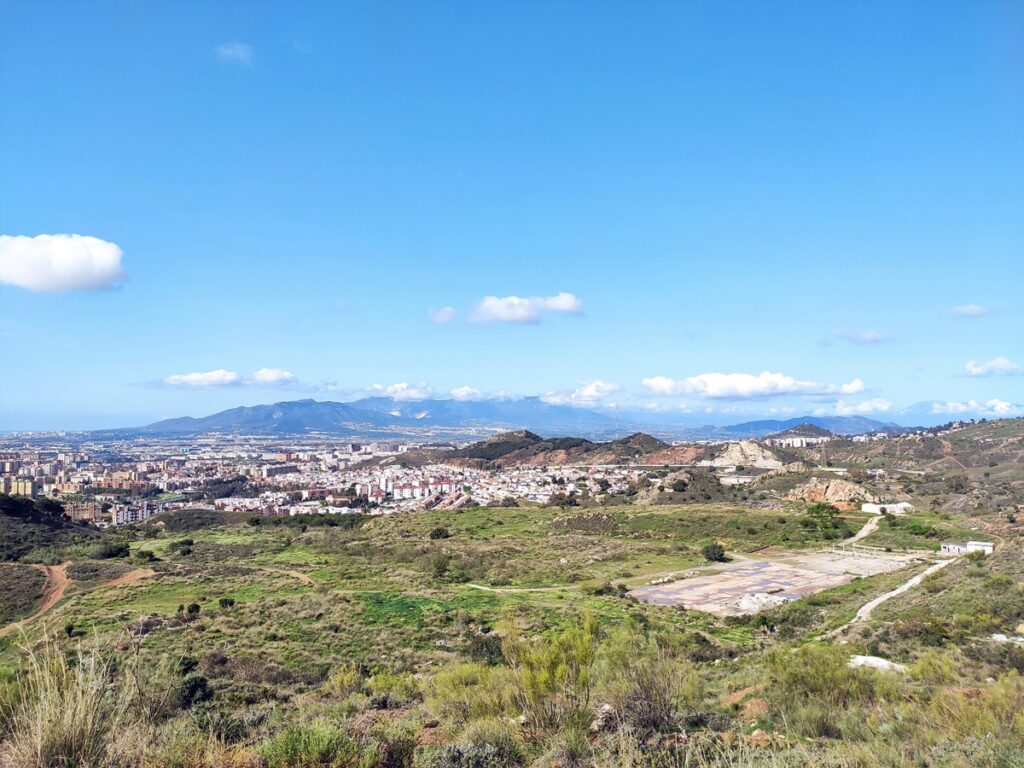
744,386
587,393
236,52
59,262
841,408
969,310
442,315
991,407
998,366
466,393
860,337
271,376
852,388
402,391
264,377
518,309
217,378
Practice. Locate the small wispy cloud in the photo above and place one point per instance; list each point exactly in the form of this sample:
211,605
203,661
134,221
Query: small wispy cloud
969,310
864,407
466,393
441,316
528,309
235,52
992,407
998,366
402,391
860,337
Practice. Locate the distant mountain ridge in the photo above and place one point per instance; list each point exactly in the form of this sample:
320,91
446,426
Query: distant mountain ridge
386,417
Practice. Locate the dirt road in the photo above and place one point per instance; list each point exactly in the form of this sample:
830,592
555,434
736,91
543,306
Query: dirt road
864,612
869,527
56,582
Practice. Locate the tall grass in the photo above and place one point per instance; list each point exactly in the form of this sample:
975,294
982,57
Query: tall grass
75,711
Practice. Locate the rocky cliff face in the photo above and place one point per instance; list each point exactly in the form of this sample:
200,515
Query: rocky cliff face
833,490
746,453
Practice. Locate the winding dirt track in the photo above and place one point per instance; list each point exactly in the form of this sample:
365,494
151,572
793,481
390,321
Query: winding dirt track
56,582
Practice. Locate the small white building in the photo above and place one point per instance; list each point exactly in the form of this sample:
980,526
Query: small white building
898,508
964,547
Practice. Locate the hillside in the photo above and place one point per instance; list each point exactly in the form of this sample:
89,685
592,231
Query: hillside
27,527
525,448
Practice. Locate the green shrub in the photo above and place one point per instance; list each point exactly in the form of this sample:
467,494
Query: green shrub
554,677
713,553
645,686
316,744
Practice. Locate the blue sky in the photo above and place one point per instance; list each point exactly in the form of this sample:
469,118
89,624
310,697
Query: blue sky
792,195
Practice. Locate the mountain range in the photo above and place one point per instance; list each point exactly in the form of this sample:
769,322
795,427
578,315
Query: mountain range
384,416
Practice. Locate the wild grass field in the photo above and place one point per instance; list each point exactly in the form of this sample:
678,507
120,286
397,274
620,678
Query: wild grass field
505,637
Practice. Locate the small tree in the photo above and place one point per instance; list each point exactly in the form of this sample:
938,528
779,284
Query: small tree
440,532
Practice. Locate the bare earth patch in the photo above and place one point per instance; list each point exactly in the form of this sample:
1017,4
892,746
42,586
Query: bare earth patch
756,584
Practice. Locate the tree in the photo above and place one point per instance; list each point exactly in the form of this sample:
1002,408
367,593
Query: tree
714,553
440,532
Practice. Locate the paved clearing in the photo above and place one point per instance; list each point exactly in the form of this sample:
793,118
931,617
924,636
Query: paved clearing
728,591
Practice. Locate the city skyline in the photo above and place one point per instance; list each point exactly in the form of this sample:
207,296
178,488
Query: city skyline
661,208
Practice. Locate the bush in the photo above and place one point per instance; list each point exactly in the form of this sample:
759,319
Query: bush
554,678
713,553
461,693
440,532
389,690
109,551
317,744
644,685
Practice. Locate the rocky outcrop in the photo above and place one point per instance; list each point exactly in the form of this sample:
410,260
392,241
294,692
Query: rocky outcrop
833,490
746,453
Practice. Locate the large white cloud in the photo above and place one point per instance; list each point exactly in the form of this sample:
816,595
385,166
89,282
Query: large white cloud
59,262
998,366
520,309
745,386
264,377
587,393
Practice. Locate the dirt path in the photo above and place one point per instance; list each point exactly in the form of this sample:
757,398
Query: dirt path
869,527
864,612
304,578
56,582
129,578
514,590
